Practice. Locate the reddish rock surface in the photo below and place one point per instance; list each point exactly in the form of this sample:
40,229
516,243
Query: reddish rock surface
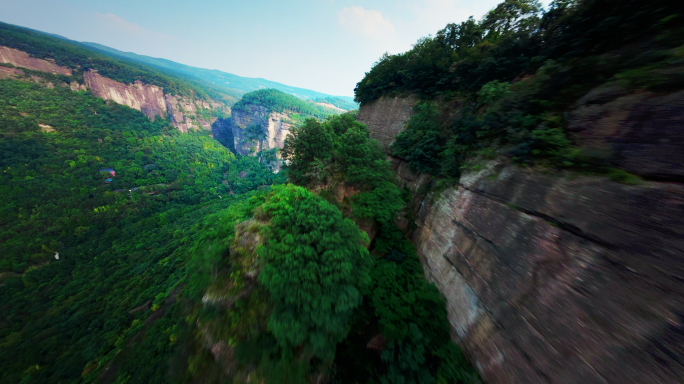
149,99
560,279
641,132
22,59
152,101
387,117
10,73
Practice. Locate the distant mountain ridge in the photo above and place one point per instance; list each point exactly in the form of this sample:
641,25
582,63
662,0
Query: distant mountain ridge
228,81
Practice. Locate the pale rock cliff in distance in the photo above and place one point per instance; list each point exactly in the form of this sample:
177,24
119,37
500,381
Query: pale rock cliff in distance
182,111
275,127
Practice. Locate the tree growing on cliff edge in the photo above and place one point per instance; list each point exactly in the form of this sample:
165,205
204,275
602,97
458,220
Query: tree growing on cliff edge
316,265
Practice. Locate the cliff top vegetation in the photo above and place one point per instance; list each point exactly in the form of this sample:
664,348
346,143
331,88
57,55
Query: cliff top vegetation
508,80
278,101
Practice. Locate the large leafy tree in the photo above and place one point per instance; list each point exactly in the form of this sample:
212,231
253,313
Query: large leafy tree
316,265
310,142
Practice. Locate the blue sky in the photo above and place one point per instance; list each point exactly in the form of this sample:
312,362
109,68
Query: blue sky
324,45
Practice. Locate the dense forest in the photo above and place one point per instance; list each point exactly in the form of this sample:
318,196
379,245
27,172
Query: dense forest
99,207
134,253
513,74
299,292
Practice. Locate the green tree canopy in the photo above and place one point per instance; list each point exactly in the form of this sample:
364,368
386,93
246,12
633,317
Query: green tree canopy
315,267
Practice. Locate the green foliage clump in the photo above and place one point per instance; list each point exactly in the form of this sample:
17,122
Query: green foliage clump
306,144
516,38
316,265
278,101
400,305
518,71
423,140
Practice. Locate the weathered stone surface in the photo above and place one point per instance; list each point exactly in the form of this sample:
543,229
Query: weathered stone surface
560,279
641,132
149,99
152,101
10,73
22,59
275,127
387,117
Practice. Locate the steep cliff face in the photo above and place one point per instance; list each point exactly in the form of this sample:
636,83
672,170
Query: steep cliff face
148,99
553,277
152,101
639,131
275,127
559,279
184,112
388,117
22,59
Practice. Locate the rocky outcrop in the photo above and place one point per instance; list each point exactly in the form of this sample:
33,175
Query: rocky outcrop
10,73
22,59
275,127
640,132
552,277
387,116
560,279
184,112
152,101
149,99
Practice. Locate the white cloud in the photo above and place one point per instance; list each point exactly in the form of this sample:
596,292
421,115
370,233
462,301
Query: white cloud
122,25
367,23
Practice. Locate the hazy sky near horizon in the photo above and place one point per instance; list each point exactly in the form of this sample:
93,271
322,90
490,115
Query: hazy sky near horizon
323,45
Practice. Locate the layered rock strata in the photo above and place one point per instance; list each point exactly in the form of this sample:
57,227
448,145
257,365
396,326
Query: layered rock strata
22,59
184,112
275,126
560,279
553,277
641,132
387,116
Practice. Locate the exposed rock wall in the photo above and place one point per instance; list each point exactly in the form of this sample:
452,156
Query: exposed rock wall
184,112
152,101
387,117
22,59
555,279
149,99
642,132
551,277
275,127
